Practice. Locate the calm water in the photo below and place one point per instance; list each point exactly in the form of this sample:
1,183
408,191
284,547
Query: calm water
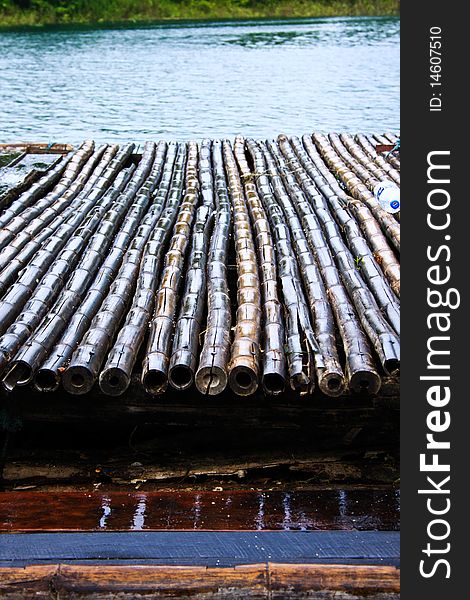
194,80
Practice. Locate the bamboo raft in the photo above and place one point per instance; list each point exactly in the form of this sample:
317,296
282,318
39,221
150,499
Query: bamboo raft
256,267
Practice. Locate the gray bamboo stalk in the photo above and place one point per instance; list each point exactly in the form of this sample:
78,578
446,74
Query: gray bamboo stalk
24,365
87,359
116,374
359,146
51,285
211,376
358,190
302,349
10,229
183,361
393,159
360,368
18,293
381,335
49,218
330,377
317,192
383,253
243,369
139,220
273,357
49,239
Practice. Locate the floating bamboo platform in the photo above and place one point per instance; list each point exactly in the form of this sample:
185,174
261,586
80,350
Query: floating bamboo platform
250,267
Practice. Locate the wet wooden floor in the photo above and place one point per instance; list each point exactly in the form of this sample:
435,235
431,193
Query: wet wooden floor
360,510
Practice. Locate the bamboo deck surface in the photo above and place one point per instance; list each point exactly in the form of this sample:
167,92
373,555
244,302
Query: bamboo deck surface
259,268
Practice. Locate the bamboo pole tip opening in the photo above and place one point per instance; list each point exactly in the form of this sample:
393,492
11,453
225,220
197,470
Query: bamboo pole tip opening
211,380
46,380
365,382
19,373
332,384
114,381
181,377
155,381
274,383
243,380
77,380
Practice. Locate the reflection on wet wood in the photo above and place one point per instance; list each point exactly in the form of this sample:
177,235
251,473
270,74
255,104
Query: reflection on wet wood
362,510
248,581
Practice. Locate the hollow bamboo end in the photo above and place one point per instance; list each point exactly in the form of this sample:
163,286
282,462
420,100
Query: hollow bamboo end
365,382
181,377
273,383
243,381
332,384
46,380
77,380
211,380
155,381
114,381
19,373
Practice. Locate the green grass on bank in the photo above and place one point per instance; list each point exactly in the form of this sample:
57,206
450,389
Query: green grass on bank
51,12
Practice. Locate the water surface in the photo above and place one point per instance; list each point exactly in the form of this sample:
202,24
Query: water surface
190,80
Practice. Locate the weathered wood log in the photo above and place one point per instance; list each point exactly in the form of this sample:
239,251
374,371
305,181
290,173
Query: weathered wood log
357,189
90,354
330,376
243,369
211,376
273,354
383,253
116,374
138,219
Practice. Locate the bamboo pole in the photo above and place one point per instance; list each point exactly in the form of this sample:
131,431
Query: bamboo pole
321,198
90,354
273,357
29,357
243,368
393,159
51,285
361,373
50,217
20,221
381,335
211,375
18,294
116,374
12,202
360,146
183,361
303,351
358,190
383,253
330,376
139,220
374,164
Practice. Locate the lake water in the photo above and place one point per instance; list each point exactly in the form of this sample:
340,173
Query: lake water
190,80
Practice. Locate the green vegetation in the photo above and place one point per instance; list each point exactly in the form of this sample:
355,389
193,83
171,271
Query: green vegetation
50,12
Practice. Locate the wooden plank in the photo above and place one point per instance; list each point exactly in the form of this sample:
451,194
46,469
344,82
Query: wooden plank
202,510
37,148
200,548
266,580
